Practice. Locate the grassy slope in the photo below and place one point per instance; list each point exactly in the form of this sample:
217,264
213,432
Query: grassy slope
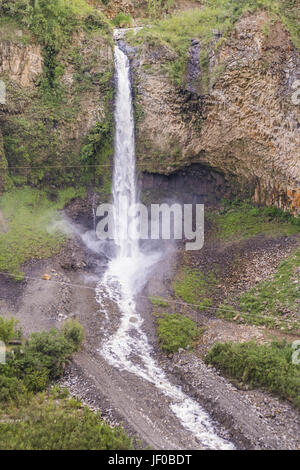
273,302
29,215
241,221
192,286
176,331
268,367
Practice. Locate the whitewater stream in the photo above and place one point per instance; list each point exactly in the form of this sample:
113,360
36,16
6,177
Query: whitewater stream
127,274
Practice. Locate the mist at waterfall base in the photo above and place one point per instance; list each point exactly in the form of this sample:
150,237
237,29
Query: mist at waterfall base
128,270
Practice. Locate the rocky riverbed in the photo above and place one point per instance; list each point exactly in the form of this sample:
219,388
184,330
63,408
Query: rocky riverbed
252,419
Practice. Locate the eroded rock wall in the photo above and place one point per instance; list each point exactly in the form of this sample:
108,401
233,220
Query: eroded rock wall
21,62
245,124
46,126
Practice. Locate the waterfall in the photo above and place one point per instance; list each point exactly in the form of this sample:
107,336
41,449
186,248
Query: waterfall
127,274
94,213
124,178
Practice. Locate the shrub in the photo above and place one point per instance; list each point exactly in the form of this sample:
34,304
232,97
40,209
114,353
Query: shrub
47,352
12,389
8,329
41,360
176,331
121,20
74,332
267,366
49,420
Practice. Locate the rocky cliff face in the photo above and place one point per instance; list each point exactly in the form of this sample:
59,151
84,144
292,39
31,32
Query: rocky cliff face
46,125
21,62
236,116
242,122
113,8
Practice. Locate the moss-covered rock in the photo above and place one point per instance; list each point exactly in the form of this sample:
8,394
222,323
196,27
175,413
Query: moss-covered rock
59,89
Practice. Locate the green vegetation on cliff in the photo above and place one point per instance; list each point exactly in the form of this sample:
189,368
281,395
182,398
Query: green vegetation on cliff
9,330
3,167
32,226
53,24
121,20
159,8
44,126
266,366
289,13
98,148
56,421
43,145
241,220
211,23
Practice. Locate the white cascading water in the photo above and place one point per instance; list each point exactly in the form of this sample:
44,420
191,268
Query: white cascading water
127,274
124,184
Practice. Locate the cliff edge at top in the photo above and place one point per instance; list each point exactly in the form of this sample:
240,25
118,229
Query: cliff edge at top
235,108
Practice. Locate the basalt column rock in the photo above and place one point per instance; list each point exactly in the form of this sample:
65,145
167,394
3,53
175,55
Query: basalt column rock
22,63
245,122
